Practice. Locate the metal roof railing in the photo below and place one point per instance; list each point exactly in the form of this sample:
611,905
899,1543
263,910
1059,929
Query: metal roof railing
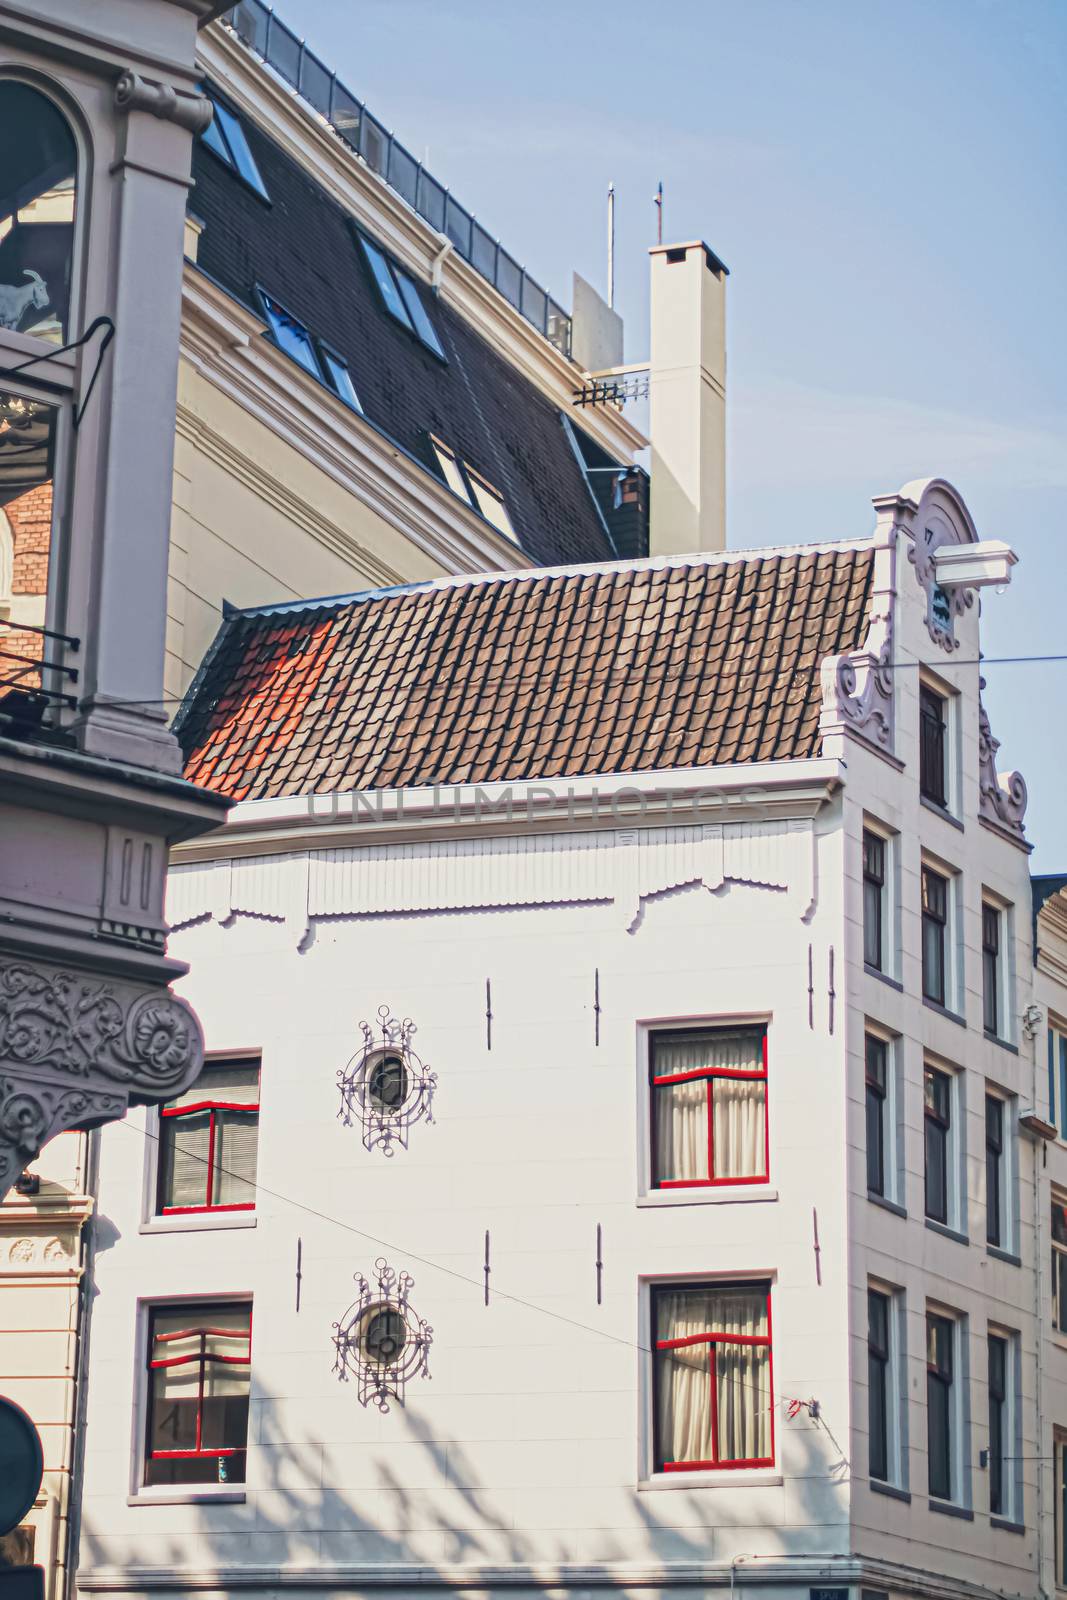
257,26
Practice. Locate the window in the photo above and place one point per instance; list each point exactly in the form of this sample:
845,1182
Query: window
290,335
472,487
709,1107
38,192
208,1141
933,749
1059,1263
401,297
937,1096
995,1188
315,357
1057,1078
879,1308
991,1019
335,371
877,1053
935,893
874,917
1060,1511
940,1378
712,1399
225,138
998,1430
490,503
198,1370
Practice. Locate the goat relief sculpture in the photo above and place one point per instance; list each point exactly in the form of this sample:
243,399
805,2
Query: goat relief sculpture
385,1086
380,1341
15,298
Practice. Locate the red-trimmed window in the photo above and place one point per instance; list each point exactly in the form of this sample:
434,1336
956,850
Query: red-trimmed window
198,1369
208,1140
713,1404
709,1107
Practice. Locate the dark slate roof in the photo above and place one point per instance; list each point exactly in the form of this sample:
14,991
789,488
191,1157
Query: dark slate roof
625,667
301,249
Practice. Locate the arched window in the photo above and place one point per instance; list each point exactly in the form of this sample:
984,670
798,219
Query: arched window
37,200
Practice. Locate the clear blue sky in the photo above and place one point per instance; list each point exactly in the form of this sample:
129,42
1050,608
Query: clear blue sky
886,182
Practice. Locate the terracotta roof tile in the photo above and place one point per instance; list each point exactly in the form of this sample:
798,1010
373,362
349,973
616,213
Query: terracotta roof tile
622,668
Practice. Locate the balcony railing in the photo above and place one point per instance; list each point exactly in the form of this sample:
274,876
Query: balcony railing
256,25
35,685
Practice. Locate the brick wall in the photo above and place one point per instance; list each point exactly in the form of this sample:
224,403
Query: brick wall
30,517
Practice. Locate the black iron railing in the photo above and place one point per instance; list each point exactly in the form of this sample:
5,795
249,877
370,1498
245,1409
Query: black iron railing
256,25
33,681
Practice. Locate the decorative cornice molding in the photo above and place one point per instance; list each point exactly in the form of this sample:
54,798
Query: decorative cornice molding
76,1052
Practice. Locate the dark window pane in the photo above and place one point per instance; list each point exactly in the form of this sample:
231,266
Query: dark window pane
37,196
291,336
876,1110
932,746
937,1091
990,969
878,1382
997,1398
939,1375
934,919
417,312
994,1148
383,277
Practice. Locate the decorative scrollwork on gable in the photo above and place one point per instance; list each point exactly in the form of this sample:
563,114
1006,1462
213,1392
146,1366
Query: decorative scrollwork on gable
386,1087
1002,796
857,689
380,1342
943,604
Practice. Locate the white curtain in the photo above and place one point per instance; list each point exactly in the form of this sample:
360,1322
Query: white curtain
741,1377
739,1108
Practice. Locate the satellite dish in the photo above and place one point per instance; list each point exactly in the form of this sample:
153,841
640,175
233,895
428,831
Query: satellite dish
21,1464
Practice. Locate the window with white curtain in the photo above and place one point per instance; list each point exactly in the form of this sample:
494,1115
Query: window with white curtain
712,1399
709,1107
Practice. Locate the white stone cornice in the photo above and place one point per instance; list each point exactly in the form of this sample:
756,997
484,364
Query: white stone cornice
223,342
309,140
707,796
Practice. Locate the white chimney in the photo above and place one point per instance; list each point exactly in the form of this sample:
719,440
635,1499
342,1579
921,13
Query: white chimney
687,399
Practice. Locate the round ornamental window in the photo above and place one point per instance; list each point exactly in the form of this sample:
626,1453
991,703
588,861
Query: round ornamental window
387,1082
384,1336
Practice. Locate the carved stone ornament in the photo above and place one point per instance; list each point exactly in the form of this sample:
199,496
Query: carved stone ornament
380,1342
385,1086
857,689
1001,795
943,605
76,1051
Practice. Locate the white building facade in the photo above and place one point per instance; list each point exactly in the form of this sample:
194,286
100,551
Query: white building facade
690,1161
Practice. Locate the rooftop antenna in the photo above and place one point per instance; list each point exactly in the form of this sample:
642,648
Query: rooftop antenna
611,245
658,203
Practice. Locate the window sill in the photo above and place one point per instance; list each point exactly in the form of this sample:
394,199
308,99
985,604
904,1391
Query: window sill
946,1508
203,1495
886,1204
941,811
1005,1044
197,1221
718,1195
753,1478
1003,1255
1006,1525
949,1233
943,1011
883,977
890,1489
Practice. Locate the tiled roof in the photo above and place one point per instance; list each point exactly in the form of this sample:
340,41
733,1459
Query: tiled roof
302,251
625,667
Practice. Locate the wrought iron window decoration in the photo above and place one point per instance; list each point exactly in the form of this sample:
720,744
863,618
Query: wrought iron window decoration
380,1341
385,1086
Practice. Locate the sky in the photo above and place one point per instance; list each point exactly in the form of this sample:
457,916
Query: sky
886,182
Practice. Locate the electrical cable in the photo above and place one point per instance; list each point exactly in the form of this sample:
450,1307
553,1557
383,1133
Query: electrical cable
97,323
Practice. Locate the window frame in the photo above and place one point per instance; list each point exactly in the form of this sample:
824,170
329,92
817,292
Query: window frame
141,1489
1056,1036
472,487
175,1114
874,876
992,969
880,1356
761,1075
1058,1248
999,1423
881,1093
938,919
1059,1508
934,738
951,1126
997,1172
955,1396
656,1289
235,160
405,292
328,359
270,306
